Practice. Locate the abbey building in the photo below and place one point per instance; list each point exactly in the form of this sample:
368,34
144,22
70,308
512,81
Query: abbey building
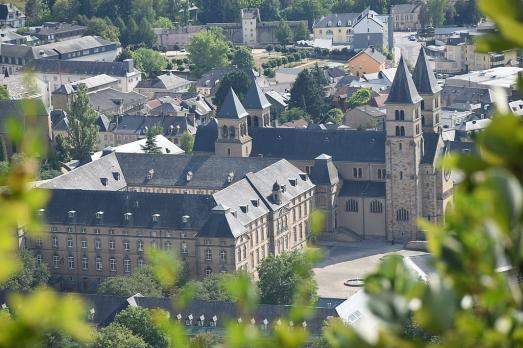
371,184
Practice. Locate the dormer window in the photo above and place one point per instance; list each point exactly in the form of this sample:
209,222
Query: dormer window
156,217
293,181
71,214
189,175
201,320
339,23
283,188
150,174
116,176
329,23
214,321
189,320
230,177
104,181
99,215
255,202
244,208
304,176
41,212
127,216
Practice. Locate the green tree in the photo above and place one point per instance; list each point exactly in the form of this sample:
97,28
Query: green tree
81,130
437,11
117,336
335,116
63,10
187,142
242,58
149,61
210,288
4,168
140,322
284,33
293,114
208,50
146,35
140,281
163,22
205,340
238,80
360,97
150,145
270,10
307,93
31,275
3,150
101,27
4,93
280,277
61,150
302,33
219,11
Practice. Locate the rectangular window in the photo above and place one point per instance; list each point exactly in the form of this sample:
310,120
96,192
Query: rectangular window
112,264
97,244
56,261
84,244
127,265
111,244
69,242
98,263
70,262
38,260
126,245
84,263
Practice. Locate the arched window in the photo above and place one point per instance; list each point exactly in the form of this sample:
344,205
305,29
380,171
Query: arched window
376,207
229,152
351,205
402,115
256,121
402,215
402,131
225,132
329,34
422,120
397,131
417,129
232,132
401,175
397,115
422,105
249,122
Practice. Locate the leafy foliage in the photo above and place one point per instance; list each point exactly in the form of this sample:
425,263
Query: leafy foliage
237,80
149,61
209,289
335,116
150,145
302,33
187,142
307,93
140,281
360,97
284,33
162,22
242,58
29,277
208,50
4,93
293,114
81,128
140,322
280,277
117,336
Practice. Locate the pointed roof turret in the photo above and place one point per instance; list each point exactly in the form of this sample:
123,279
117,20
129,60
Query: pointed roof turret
231,108
423,75
403,90
255,98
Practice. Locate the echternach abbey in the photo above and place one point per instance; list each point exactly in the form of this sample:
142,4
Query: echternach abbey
248,190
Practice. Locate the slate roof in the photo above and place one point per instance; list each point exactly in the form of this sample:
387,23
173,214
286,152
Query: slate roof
423,75
255,98
73,45
231,108
463,147
430,142
136,124
334,18
225,311
324,171
305,144
166,109
355,188
165,82
211,172
371,52
114,204
403,90
222,224
51,28
205,137
54,66
108,99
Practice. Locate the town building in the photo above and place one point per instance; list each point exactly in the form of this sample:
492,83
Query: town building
407,16
388,179
56,31
251,30
58,72
86,48
11,16
367,61
221,215
162,84
357,30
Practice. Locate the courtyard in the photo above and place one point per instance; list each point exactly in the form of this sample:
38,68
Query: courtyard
343,261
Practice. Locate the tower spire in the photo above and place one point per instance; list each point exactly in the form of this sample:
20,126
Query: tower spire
403,90
423,75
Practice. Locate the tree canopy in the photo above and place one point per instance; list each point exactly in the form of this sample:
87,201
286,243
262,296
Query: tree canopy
360,97
210,288
187,142
140,281
284,33
208,50
335,116
242,58
118,336
307,94
238,80
30,276
149,61
150,145
140,322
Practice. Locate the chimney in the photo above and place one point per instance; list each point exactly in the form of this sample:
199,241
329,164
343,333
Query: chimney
129,64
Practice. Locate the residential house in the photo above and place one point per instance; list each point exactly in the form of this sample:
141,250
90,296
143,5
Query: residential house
365,117
369,60
407,16
11,16
163,83
56,31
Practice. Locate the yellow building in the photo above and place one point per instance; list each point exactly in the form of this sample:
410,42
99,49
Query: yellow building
366,62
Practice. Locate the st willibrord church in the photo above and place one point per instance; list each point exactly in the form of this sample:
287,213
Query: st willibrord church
371,184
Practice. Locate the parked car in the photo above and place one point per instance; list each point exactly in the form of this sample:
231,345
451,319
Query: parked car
412,38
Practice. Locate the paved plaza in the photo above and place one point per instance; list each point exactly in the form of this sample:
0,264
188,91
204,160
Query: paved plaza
343,261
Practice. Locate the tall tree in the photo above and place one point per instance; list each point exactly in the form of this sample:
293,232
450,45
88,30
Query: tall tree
81,127
149,61
242,58
118,336
284,33
31,275
140,281
238,80
140,322
437,11
270,10
280,276
208,50
219,11
187,142
302,33
150,142
307,94
209,289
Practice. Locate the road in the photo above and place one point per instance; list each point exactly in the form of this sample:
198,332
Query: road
409,49
343,261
